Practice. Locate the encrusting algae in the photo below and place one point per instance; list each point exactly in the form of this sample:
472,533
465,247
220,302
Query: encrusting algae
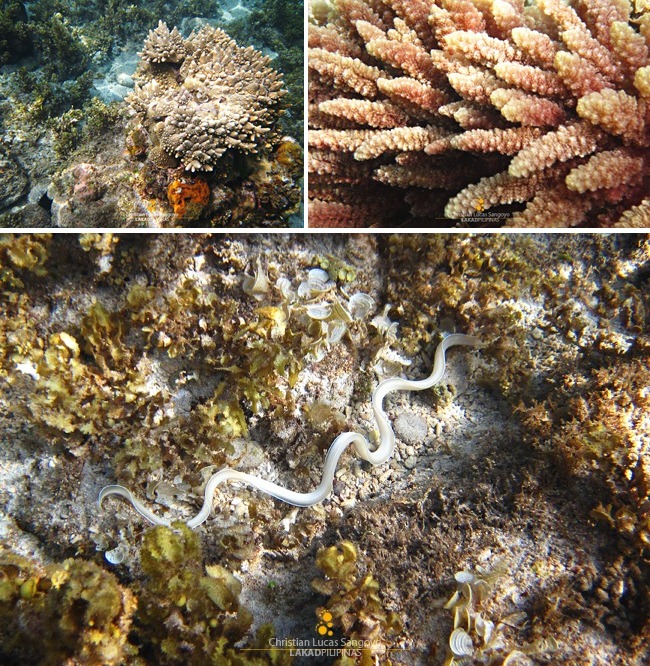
188,199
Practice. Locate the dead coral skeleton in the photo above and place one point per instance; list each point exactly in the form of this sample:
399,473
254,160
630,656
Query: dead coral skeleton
376,456
538,110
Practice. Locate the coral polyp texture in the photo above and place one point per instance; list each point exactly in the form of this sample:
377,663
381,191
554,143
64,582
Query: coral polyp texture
487,112
198,98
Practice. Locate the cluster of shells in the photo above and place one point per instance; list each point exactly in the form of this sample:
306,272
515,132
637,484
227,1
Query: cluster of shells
200,97
478,640
328,312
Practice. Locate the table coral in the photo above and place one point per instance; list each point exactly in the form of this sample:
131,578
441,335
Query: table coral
482,111
203,96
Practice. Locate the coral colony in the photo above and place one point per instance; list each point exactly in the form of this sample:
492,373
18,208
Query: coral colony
202,124
535,114
201,96
206,111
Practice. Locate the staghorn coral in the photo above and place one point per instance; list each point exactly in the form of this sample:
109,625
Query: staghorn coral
479,111
202,97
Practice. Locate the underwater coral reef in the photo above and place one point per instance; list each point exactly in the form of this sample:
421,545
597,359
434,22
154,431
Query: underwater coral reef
481,113
65,71
510,524
196,99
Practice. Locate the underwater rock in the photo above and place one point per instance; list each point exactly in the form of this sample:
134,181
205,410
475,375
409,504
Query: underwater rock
94,195
233,10
117,82
13,181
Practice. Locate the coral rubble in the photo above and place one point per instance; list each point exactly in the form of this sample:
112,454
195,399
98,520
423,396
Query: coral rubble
481,111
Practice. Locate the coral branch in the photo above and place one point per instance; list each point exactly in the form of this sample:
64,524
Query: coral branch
554,82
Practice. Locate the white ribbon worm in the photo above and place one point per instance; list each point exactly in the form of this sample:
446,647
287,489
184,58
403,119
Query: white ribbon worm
362,447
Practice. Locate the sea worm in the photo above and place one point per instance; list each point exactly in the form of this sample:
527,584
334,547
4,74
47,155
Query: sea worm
376,456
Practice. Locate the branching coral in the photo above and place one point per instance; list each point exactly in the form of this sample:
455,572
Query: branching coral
200,97
362,447
539,111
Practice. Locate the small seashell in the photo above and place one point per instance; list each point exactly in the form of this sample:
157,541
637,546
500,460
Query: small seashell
455,598
117,555
381,322
484,628
284,286
319,311
464,577
336,331
319,280
361,305
256,285
391,331
339,311
461,643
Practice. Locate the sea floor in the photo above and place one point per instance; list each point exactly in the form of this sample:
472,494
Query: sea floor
520,481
